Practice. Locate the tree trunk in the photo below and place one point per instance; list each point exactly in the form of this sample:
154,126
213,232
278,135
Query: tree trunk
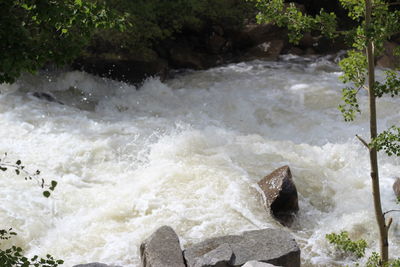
383,229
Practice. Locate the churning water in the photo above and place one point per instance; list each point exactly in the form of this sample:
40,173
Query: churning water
187,153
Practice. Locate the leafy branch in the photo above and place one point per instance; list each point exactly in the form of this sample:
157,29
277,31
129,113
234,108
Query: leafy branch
388,141
19,169
13,257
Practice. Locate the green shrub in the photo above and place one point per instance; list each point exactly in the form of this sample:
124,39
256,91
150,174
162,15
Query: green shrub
345,244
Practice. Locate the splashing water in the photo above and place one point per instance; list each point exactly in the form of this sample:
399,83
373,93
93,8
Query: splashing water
187,153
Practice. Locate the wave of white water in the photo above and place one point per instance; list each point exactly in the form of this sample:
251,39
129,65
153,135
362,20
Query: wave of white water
187,153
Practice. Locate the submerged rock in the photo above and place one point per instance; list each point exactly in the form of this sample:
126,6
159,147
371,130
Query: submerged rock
162,249
272,246
47,97
280,195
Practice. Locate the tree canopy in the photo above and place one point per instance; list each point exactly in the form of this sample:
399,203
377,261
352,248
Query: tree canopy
36,32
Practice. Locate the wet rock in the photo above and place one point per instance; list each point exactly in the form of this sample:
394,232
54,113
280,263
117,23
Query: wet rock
47,97
280,195
272,246
257,264
269,50
122,68
162,249
396,187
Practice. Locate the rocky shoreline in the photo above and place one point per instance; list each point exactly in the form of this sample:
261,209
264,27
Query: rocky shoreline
210,47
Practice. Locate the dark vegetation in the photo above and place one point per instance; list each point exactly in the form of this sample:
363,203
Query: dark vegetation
128,40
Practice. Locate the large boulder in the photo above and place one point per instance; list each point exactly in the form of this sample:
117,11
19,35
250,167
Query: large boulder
272,246
280,195
162,249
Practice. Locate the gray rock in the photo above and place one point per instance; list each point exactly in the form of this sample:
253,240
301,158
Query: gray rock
258,264
272,246
162,249
47,97
221,256
280,195
396,187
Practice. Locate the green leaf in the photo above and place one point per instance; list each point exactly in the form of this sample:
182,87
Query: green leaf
46,193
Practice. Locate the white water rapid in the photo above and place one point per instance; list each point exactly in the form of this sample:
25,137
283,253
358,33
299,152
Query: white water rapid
188,153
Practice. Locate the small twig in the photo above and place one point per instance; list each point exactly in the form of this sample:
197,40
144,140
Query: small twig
362,141
386,212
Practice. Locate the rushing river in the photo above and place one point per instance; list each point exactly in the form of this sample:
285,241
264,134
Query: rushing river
188,153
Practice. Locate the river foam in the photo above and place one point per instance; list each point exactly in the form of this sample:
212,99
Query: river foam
187,153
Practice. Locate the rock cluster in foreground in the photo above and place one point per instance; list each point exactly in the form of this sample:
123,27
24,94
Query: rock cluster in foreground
251,249
258,248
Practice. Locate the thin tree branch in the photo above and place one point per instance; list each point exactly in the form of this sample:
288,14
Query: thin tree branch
386,212
362,141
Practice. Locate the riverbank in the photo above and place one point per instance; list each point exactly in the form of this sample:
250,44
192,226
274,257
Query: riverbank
213,46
